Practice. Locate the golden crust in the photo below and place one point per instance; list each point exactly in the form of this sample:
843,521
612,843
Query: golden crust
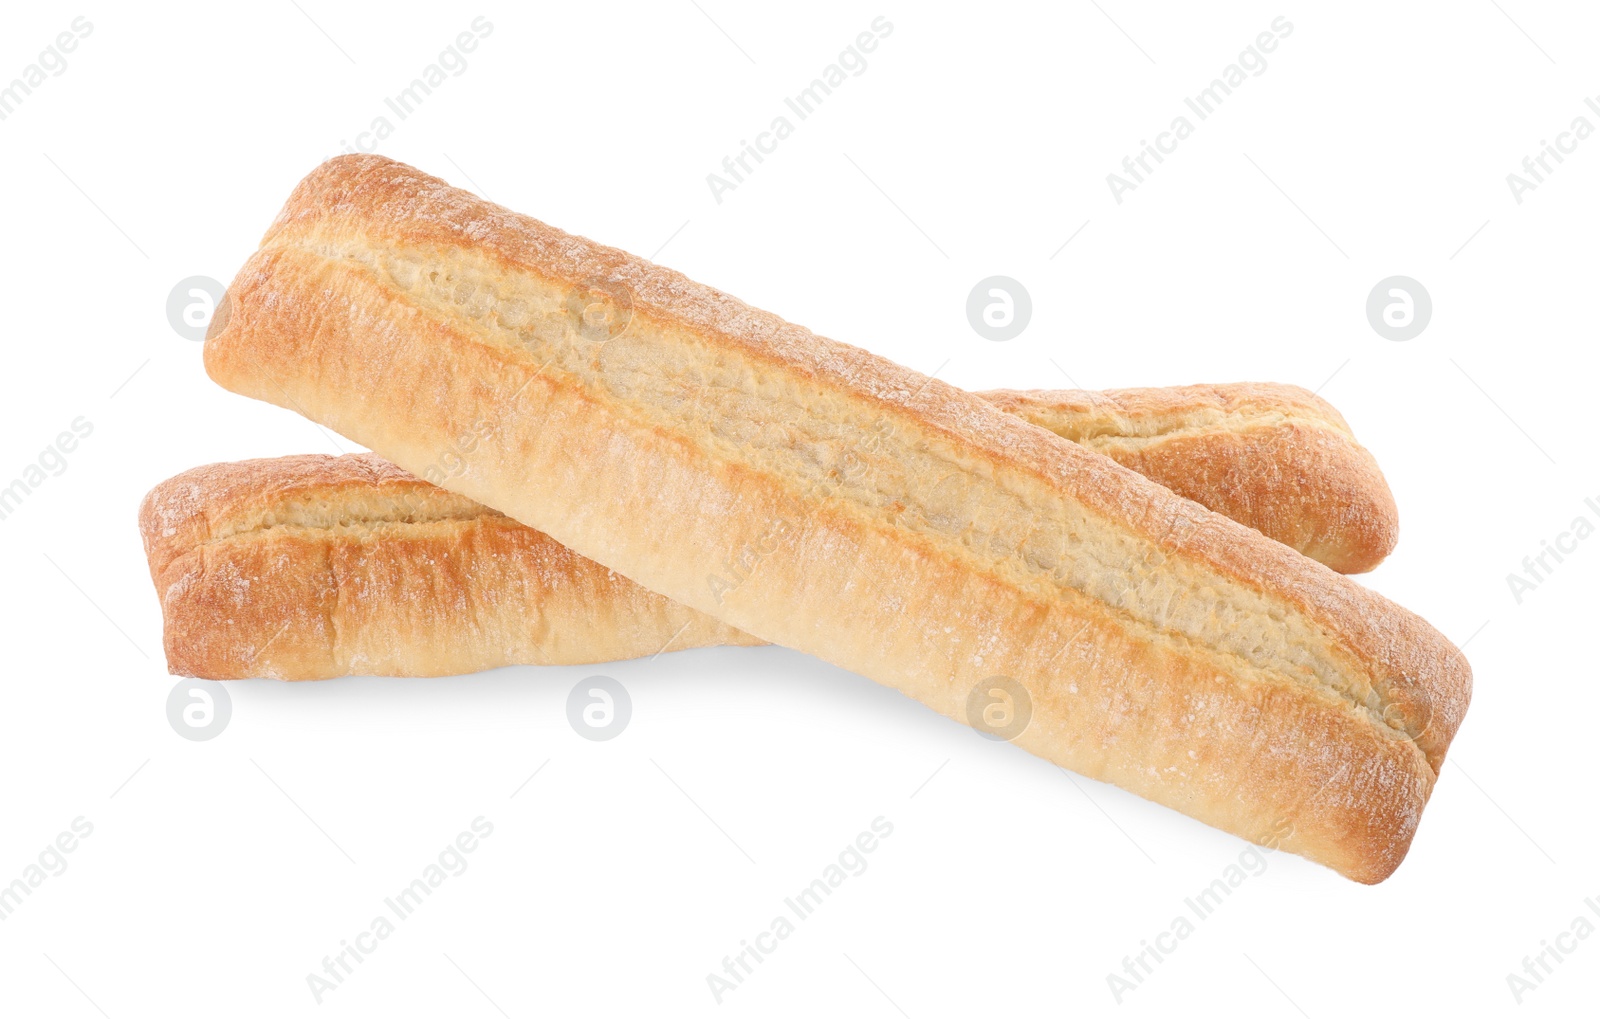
311,567
850,508
1273,457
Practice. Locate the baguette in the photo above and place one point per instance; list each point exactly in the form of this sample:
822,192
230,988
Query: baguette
816,496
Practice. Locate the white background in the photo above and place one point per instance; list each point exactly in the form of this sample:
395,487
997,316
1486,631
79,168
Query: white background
1376,142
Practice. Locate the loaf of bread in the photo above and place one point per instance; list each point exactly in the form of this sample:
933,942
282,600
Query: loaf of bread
817,496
